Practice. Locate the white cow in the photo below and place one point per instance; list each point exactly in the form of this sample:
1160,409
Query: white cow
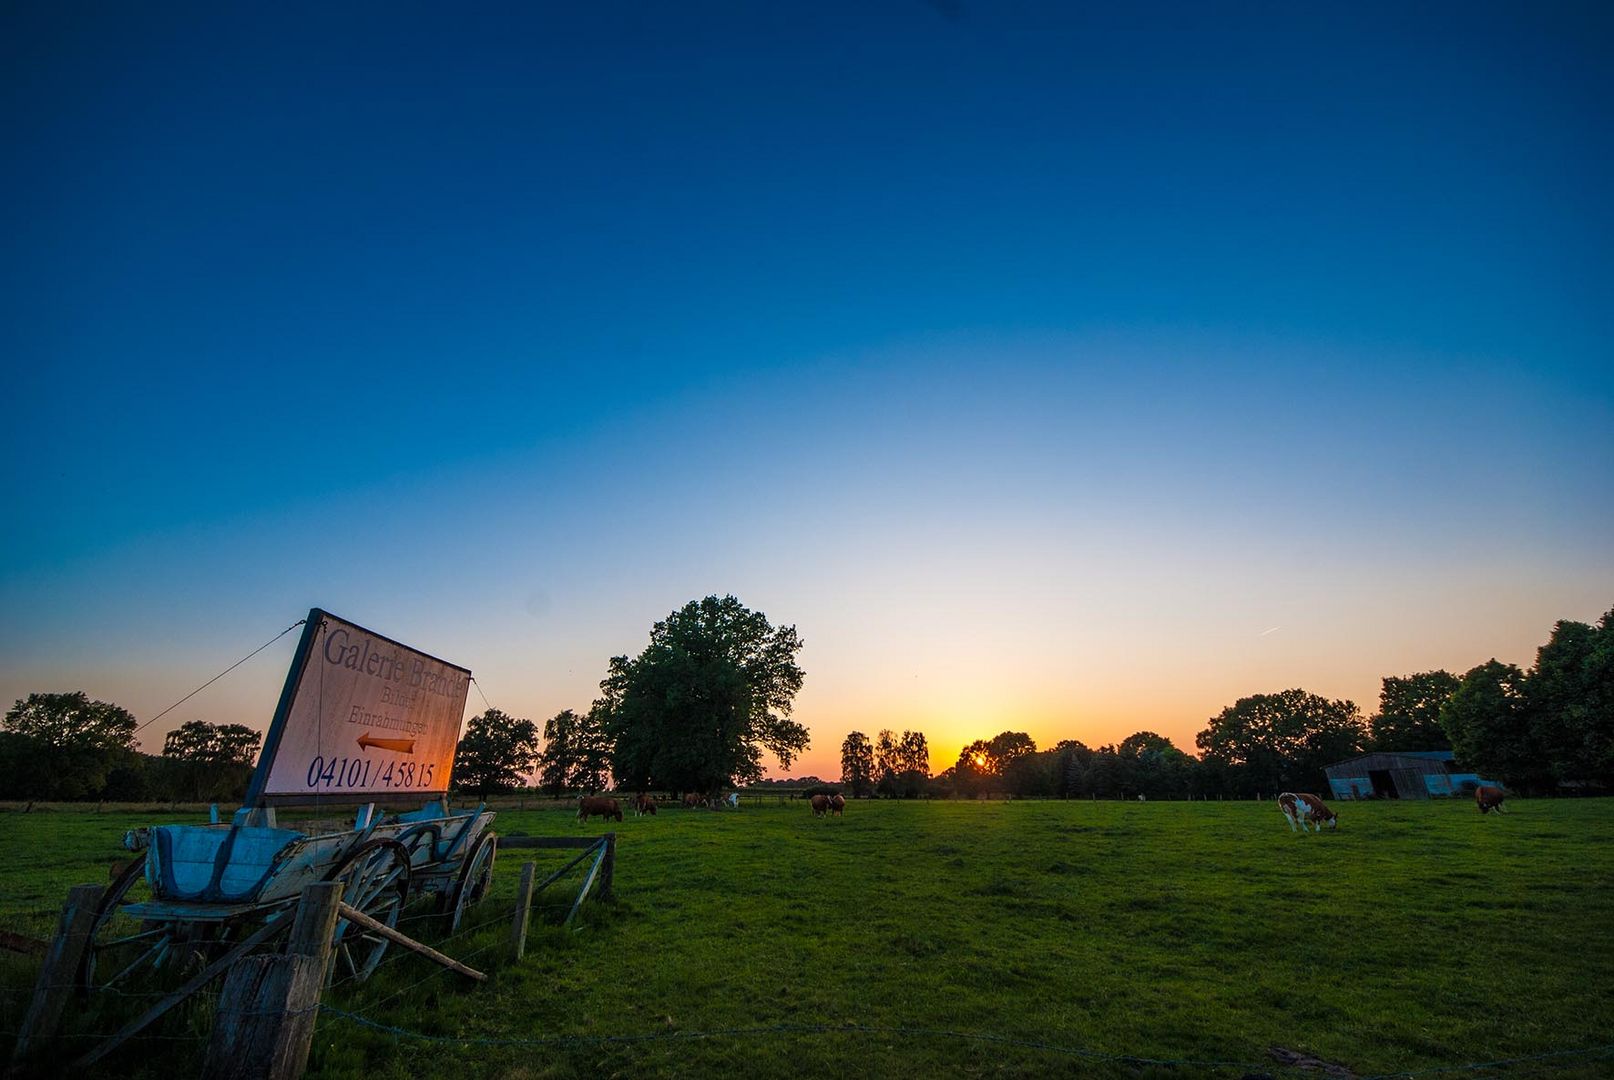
1306,809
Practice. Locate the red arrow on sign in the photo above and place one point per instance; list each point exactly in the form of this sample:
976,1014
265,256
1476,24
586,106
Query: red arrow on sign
403,746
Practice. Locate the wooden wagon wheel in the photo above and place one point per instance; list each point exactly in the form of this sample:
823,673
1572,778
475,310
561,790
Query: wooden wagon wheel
375,880
473,881
119,945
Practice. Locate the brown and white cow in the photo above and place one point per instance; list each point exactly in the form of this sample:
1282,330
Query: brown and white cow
820,805
598,806
1489,798
644,804
837,804
1306,809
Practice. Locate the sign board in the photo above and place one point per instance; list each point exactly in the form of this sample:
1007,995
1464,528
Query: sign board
361,717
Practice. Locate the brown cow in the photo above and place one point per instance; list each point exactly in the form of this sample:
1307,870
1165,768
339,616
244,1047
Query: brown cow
820,805
1306,808
692,800
644,804
837,803
599,806
1489,798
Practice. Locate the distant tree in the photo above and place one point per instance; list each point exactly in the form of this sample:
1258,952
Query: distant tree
63,720
1033,774
1488,722
1409,712
886,763
1074,757
857,765
1002,749
496,752
577,752
1269,743
972,775
213,744
1151,766
1106,776
215,760
695,710
913,753
913,759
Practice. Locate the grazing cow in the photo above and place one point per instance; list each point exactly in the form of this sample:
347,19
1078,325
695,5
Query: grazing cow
692,800
643,804
1489,798
820,805
599,806
837,803
1304,809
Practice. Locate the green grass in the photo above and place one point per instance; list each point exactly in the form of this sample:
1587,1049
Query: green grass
1418,935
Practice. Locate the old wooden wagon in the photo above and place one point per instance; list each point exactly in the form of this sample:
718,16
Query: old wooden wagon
361,719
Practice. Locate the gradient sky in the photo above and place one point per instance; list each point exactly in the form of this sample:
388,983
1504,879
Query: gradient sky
1035,363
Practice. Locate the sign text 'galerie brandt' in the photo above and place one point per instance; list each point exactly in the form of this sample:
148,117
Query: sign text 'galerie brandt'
369,717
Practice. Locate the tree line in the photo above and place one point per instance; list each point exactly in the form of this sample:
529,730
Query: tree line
65,747
1544,729
713,691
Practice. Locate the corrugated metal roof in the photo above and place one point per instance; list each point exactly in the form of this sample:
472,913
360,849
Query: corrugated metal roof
1422,755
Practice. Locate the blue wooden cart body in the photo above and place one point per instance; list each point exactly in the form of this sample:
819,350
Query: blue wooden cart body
213,872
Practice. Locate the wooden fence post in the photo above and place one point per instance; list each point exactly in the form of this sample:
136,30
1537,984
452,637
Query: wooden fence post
54,987
269,1004
608,871
518,928
265,1020
315,922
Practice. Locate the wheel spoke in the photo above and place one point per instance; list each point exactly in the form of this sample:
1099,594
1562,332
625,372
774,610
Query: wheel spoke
136,963
115,942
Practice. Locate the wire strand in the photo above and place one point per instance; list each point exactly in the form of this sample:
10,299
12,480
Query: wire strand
479,692
219,676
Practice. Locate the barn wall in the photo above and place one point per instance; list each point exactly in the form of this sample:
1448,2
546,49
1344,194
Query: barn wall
1414,778
1409,783
1351,787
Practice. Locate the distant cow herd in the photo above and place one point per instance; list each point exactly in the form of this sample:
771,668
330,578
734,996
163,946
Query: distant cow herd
605,806
825,805
1304,811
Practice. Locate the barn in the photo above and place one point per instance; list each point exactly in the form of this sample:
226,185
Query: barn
1408,774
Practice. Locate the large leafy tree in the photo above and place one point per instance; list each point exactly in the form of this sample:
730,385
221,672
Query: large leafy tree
496,752
857,764
73,720
1570,698
1269,743
1488,721
576,754
213,760
1409,711
64,746
698,707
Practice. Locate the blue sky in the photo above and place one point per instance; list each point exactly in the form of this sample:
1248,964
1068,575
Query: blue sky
1029,360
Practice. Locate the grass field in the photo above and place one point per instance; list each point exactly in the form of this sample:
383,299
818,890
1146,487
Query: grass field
1417,936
